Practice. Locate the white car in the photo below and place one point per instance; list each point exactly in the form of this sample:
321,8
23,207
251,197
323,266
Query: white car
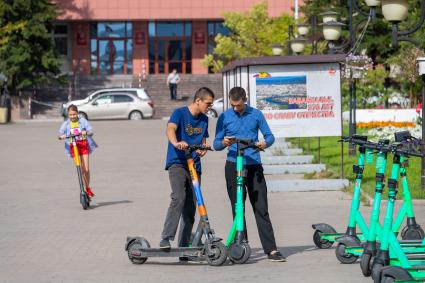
140,92
117,106
217,108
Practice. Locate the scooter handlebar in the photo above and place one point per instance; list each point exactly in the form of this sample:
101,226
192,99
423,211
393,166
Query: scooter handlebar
199,147
71,136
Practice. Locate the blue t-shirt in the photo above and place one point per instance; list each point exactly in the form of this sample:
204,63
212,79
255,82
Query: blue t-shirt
192,130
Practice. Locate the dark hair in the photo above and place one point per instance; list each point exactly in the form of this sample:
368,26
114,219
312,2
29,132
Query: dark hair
203,93
237,93
72,107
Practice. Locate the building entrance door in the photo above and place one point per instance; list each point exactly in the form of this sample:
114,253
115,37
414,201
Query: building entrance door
169,54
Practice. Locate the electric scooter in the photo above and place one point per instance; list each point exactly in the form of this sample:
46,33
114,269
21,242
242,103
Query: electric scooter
348,251
237,244
324,234
84,198
213,250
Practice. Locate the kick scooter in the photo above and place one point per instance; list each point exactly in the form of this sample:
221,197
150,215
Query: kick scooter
138,248
84,198
325,235
409,264
237,244
348,251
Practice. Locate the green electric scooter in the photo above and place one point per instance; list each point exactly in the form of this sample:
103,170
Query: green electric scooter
237,244
347,251
408,262
325,235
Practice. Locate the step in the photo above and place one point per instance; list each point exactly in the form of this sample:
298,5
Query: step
280,145
283,152
293,169
281,160
307,185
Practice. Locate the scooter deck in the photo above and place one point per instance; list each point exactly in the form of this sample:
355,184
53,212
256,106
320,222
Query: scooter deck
333,236
173,252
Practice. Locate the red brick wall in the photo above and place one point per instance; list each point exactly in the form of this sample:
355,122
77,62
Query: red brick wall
199,46
140,48
162,9
81,47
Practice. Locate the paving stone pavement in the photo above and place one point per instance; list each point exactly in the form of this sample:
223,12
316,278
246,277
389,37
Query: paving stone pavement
45,236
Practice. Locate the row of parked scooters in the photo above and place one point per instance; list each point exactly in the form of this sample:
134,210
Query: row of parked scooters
387,253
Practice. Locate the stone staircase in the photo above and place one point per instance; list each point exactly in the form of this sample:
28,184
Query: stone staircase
160,93
50,99
285,167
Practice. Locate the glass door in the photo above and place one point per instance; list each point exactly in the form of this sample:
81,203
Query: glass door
112,55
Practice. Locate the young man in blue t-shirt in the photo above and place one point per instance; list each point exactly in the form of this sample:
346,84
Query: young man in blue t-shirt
187,126
242,121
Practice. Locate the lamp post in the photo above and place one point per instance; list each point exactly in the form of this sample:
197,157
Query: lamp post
396,11
421,65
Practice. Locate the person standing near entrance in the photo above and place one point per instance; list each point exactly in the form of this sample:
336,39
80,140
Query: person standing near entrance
172,80
242,121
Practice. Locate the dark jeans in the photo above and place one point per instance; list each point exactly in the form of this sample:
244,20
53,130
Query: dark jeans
173,91
256,186
182,205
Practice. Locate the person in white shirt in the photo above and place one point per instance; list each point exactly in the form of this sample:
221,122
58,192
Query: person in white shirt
172,80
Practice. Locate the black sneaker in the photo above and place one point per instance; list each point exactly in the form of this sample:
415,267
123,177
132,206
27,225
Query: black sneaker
164,244
276,256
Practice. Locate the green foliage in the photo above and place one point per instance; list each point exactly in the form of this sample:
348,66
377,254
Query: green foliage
252,34
27,52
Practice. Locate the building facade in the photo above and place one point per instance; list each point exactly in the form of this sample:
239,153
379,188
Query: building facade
108,37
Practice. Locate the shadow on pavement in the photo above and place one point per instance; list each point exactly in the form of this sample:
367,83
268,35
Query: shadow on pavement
257,255
106,203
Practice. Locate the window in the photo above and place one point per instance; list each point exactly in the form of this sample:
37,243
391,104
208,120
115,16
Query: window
107,99
214,28
111,48
170,46
60,35
122,98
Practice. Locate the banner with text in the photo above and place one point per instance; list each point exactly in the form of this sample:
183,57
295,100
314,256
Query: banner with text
298,100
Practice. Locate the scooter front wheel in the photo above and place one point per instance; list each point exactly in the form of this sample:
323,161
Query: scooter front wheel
239,253
365,264
343,257
134,250
216,253
85,201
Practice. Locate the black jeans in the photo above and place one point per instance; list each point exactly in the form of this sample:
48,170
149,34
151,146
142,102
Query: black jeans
182,205
173,91
256,186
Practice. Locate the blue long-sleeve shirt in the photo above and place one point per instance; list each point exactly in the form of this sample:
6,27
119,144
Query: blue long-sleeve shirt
245,126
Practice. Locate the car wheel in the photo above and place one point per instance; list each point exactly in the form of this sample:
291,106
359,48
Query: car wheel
212,113
135,115
84,115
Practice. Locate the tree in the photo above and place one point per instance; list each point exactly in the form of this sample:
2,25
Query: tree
407,74
252,34
27,52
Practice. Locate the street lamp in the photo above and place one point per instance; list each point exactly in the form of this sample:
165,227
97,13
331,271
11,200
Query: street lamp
421,69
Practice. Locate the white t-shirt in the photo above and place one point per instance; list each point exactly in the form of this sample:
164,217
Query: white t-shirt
172,79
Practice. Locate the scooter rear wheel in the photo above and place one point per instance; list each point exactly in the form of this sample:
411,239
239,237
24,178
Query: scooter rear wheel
343,257
239,253
412,233
216,254
319,242
133,249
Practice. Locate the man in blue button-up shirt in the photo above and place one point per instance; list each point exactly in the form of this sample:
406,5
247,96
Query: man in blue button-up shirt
243,122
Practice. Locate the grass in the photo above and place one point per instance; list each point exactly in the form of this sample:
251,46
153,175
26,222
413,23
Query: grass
330,154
